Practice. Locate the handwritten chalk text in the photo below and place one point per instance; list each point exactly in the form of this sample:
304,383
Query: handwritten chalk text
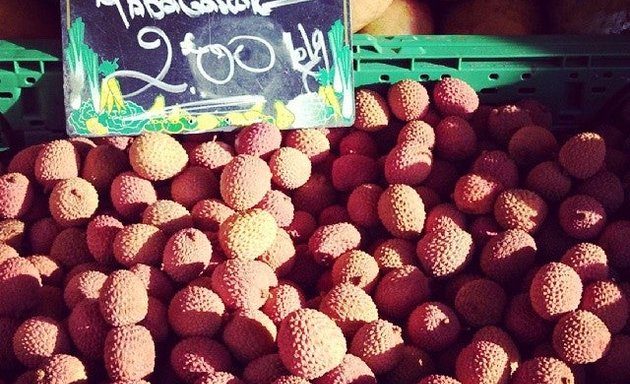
158,9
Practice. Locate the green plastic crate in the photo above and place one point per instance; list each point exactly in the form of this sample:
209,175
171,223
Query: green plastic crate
576,76
31,94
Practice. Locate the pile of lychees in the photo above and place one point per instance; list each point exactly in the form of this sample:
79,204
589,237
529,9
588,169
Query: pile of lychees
436,242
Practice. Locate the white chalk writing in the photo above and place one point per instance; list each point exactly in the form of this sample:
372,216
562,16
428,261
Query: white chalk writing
129,10
305,58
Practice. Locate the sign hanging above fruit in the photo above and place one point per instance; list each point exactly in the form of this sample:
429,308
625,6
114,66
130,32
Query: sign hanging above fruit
188,66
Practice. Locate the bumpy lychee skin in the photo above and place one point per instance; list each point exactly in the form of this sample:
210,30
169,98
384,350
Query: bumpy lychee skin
19,285
157,283
129,353
607,300
614,242
499,165
520,209
12,232
16,195
476,193
218,377
359,142
83,285
187,254
349,306
281,254
588,260
258,139
243,283
192,357
283,299
210,213
50,271
157,156
549,180
414,365
401,211
433,326
290,379
193,184
196,311
244,182
613,367
580,337
480,302
248,235
350,171
482,362
531,145
310,343
400,291
556,289
123,299
395,253
438,379
498,336
315,195
605,187
418,132
312,142
379,344
60,369
582,217
7,252
351,370
279,205
444,252
88,329
138,243
372,112
167,215
455,97
250,334
508,255
356,267
455,139
8,326
445,215
57,160
39,338
24,161
583,154
543,370
408,163
333,214
100,176
408,100
41,235
362,205
212,154
505,120
328,242
100,234
290,168
264,370
131,194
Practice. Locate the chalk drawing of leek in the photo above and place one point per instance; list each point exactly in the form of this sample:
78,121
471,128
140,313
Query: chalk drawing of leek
83,64
342,68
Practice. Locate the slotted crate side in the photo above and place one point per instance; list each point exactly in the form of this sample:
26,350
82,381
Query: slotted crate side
576,76
31,94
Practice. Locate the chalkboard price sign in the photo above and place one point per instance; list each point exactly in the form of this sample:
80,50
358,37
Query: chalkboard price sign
187,66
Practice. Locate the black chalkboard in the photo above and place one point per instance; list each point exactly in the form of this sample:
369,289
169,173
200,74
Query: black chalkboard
185,66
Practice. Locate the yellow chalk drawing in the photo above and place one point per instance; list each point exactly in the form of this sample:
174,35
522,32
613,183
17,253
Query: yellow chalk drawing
284,117
95,127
